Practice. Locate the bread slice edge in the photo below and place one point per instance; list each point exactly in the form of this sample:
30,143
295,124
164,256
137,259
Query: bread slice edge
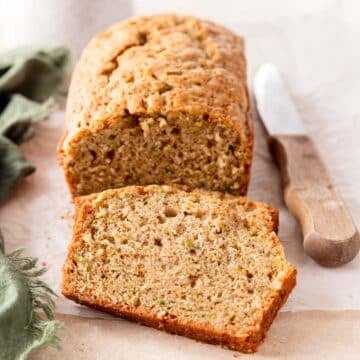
247,342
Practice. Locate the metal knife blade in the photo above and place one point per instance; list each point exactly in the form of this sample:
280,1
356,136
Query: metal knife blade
274,104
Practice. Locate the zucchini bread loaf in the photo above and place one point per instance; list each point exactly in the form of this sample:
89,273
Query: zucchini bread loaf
201,264
160,100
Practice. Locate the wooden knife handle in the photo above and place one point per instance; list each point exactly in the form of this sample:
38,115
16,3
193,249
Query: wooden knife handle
330,235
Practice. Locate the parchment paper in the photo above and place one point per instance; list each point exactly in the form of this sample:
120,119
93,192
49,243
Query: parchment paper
324,86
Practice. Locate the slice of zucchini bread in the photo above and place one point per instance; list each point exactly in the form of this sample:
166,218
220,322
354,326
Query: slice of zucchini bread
159,100
201,264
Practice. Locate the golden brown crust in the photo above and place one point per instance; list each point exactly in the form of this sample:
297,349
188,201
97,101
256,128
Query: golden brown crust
123,71
206,54
249,129
247,343
277,301
194,331
275,219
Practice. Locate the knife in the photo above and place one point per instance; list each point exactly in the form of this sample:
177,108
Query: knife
329,233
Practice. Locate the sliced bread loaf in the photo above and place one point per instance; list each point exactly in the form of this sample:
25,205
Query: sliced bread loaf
159,100
201,264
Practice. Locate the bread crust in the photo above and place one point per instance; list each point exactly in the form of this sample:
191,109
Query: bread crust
247,343
214,86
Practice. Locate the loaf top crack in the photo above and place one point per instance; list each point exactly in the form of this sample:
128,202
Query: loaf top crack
160,65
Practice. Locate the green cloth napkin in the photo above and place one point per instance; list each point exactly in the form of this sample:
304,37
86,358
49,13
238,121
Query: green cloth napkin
32,80
22,297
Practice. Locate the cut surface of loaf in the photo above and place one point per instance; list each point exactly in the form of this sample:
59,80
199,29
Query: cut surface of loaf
159,100
201,264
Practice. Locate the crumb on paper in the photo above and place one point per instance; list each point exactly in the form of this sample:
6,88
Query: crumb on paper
67,216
